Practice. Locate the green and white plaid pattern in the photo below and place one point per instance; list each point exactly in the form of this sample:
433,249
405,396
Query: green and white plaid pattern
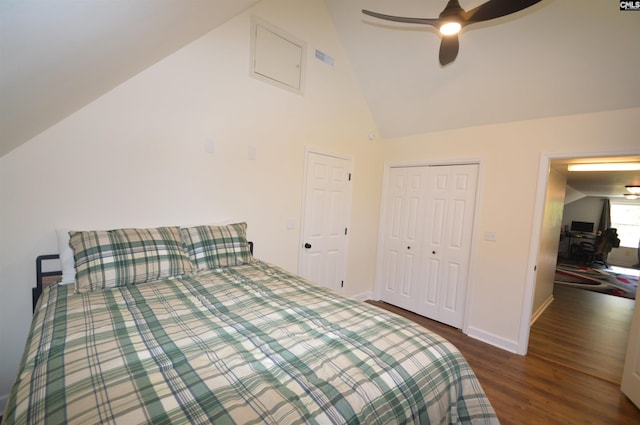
111,258
250,344
212,247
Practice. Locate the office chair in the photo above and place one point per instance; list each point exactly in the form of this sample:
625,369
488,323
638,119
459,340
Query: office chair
583,252
608,240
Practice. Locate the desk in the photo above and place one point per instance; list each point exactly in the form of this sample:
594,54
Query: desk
567,240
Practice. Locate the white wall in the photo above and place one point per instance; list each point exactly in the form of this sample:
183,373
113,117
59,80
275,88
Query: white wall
587,209
502,280
135,157
624,257
549,241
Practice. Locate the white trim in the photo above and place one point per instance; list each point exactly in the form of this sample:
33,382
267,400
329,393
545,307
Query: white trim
320,151
472,248
427,163
493,339
363,296
309,150
542,309
536,230
534,247
383,212
282,36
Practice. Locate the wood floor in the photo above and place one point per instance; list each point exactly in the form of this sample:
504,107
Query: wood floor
584,330
558,381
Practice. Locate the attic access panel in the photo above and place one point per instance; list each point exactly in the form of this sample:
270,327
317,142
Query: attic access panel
277,58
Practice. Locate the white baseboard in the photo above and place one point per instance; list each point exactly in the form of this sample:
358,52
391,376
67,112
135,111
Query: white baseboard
495,340
363,296
541,309
489,338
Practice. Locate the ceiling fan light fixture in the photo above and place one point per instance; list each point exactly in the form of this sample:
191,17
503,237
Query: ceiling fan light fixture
453,18
450,28
633,189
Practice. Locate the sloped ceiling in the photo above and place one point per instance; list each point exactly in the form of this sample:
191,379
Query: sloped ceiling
56,56
558,57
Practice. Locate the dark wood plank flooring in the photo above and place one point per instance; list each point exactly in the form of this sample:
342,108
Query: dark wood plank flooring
532,389
584,330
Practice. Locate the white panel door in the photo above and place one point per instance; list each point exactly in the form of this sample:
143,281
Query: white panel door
402,236
426,239
450,207
325,215
631,372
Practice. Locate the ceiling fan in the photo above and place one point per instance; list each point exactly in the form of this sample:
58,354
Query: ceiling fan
453,18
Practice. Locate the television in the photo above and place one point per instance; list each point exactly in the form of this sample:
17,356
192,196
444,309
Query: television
582,227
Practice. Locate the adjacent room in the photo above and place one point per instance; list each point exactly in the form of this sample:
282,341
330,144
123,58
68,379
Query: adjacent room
599,246
590,283
364,158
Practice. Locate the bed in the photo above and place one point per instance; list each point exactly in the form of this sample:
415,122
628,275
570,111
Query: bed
214,335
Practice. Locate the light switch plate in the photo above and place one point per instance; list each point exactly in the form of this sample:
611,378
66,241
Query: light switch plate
209,146
490,236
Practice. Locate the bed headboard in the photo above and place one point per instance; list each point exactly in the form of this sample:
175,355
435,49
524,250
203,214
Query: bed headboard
44,279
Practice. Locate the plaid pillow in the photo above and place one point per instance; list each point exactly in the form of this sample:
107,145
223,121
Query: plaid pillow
112,258
212,247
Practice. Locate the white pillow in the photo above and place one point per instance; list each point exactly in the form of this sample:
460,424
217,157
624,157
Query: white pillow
66,257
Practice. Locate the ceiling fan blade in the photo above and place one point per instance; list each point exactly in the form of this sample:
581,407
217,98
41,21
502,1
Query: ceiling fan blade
449,47
422,21
450,44
495,9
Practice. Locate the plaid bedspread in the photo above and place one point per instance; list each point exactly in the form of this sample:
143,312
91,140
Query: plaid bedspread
249,344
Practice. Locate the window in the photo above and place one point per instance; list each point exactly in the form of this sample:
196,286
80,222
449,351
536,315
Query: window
626,218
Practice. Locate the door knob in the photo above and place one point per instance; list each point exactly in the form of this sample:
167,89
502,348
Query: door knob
307,245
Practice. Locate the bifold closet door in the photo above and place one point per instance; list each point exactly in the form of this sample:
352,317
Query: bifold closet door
426,243
402,236
444,275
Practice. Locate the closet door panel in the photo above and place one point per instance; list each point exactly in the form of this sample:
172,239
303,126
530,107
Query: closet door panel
451,202
402,236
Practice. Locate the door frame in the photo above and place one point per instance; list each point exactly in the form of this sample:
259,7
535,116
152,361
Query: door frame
310,150
472,248
536,231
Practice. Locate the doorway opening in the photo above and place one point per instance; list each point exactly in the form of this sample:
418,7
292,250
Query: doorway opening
575,187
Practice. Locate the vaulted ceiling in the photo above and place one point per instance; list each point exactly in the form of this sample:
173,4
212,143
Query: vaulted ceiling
559,57
56,56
